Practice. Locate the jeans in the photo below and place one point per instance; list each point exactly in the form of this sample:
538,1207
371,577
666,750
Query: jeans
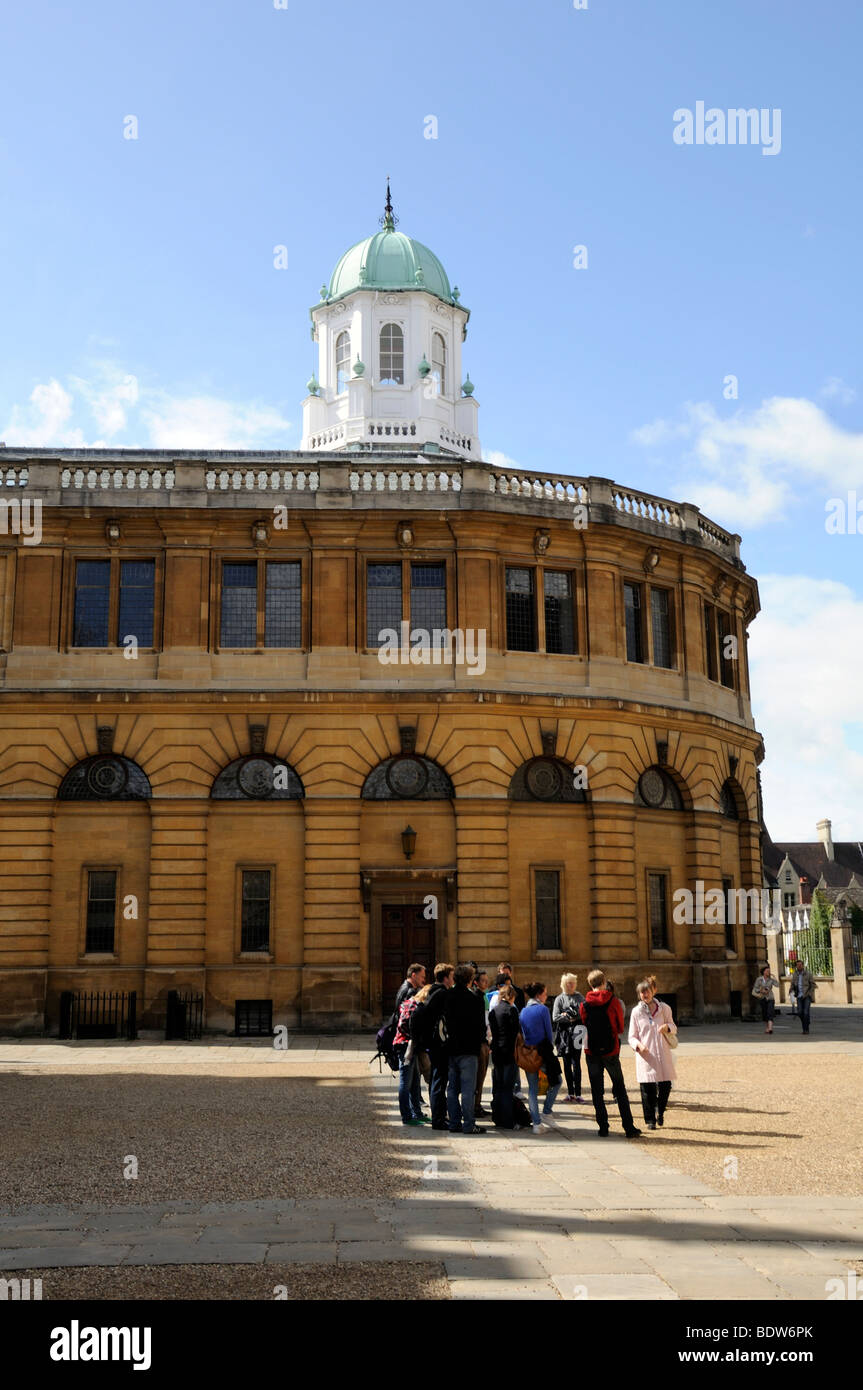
481,1070
654,1098
410,1099
596,1069
533,1096
803,1007
572,1072
503,1075
462,1080
437,1088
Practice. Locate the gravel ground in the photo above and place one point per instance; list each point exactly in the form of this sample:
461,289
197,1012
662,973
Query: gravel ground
217,1133
354,1282
794,1124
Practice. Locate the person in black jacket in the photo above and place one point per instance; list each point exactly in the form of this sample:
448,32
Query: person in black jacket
503,1021
464,1015
425,1032
412,984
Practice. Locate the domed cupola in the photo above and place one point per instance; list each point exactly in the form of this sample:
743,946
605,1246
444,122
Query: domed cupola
389,303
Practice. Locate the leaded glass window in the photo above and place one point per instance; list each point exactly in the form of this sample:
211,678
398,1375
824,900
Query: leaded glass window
428,597
559,616
383,601
283,617
546,884
660,622
657,887
239,605
92,603
137,587
634,624
520,611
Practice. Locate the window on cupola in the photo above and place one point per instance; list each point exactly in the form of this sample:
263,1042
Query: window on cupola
439,362
392,355
343,362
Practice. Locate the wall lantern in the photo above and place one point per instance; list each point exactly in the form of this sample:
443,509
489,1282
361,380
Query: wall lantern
409,841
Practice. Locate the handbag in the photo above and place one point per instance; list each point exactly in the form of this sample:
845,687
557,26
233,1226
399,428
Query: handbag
671,1039
527,1058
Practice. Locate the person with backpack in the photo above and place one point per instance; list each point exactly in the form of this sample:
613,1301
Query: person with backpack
602,1015
506,969
464,1017
503,1022
410,1096
411,984
428,1031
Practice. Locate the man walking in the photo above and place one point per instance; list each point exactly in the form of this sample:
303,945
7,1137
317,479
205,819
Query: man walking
803,992
602,1015
464,1015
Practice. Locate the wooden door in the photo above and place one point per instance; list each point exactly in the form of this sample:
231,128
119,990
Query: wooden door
406,936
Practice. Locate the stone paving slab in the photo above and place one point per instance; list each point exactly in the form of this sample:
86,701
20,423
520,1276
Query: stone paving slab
503,1290
621,1288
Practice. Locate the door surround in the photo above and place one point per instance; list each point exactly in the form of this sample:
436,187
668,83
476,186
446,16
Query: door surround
409,886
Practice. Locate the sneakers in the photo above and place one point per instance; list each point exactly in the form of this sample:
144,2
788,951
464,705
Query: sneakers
571,1099
476,1130
579,1100
548,1119
411,1122
633,1134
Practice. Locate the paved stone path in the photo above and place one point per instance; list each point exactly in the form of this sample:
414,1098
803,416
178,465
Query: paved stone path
564,1215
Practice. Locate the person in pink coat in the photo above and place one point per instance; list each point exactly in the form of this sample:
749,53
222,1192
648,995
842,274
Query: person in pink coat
650,1027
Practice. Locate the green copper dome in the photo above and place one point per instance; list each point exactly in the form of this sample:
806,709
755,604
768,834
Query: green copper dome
389,260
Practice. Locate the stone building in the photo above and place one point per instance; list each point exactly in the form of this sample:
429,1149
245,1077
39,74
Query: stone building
274,723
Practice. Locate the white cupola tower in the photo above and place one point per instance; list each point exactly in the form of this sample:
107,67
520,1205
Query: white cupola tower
389,331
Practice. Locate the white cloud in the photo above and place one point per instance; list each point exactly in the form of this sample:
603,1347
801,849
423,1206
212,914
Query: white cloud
498,459
204,422
806,661
835,389
745,467
117,405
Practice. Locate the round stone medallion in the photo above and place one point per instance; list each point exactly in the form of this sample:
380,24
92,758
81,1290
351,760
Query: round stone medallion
255,777
544,780
652,787
407,777
107,777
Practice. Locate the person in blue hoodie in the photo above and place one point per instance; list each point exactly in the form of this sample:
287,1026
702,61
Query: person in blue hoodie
535,1023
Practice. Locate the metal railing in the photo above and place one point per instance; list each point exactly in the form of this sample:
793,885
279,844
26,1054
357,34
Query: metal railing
100,1014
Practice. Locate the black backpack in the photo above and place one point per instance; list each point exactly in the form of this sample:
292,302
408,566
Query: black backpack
601,1037
384,1041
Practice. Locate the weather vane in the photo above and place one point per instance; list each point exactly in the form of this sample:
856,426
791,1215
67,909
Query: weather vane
389,220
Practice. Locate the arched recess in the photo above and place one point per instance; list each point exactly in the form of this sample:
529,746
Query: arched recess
732,802
257,777
659,790
105,777
407,777
545,779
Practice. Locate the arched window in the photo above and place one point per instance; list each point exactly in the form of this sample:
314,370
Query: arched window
439,362
407,777
105,777
545,779
392,355
658,791
343,361
258,777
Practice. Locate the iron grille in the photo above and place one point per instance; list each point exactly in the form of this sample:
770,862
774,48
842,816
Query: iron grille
253,1018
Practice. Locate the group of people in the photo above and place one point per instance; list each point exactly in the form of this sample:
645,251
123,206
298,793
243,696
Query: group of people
801,991
449,1029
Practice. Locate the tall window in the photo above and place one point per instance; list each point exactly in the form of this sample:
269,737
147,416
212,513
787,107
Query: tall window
101,910
559,615
255,929
343,361
710,640
660,624
634,622
387,586
546,883
383,601
261,604
428,597
114,600
439,361
657,893
520,611
726,649
718,626
392,355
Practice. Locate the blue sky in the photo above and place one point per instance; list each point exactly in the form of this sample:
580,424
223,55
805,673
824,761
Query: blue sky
141,305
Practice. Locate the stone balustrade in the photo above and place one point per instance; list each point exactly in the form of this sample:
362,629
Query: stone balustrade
237,478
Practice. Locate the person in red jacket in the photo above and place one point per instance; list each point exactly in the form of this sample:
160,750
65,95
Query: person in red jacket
602,1015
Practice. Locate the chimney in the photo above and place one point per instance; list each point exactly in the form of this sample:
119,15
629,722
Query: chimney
824,828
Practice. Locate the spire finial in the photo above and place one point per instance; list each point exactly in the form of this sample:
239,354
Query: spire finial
389,219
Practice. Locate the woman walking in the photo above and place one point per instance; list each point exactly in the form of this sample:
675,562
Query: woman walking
566,1020
762,990
535,1021
650,1027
